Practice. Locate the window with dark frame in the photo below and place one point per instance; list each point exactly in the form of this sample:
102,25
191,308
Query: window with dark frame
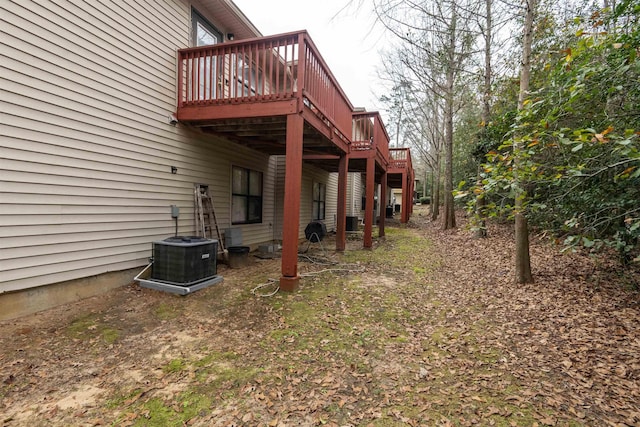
246,202
203,33
319,196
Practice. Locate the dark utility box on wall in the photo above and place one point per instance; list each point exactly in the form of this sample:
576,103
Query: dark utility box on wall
184,260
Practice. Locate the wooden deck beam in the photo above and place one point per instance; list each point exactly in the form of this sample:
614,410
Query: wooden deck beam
321,157
203,113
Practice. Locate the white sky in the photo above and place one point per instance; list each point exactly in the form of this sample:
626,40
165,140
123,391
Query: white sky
349,42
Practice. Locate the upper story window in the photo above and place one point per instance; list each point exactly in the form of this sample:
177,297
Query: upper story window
246,202
203,32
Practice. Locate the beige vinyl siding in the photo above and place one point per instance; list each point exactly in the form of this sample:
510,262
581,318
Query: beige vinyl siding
331,206
86,89
252,234
354,194
310,174
279,165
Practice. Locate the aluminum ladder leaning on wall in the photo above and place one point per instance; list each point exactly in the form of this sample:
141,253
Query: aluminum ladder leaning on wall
205,216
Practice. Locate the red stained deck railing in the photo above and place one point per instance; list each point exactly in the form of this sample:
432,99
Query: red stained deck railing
400,159
369,133
279,67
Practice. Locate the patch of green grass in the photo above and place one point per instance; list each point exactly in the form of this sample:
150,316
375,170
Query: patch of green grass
438,336
236,375
400,339
119,400
283,334
220,375
157,413
300,312
396,416
89,327
80,326
165,311
175,365
419,271
401,250
218,367
213,357
110,335
486,355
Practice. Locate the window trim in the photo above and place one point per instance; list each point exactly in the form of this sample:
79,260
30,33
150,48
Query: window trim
248,197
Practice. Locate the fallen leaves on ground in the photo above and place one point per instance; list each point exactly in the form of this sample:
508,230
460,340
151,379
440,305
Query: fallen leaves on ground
426,329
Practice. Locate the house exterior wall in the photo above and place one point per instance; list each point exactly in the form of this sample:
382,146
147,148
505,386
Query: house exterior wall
86,91
354,194
310,174
279,166
397,196
332,202
359,192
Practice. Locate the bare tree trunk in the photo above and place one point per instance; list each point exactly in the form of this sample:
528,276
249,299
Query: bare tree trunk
481,231
424,184
437,45
488,39
523,261
435,199
449,211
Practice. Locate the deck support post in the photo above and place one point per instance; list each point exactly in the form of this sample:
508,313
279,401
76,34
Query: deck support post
412,184
369,212
341,223
292,188
383,203
404,217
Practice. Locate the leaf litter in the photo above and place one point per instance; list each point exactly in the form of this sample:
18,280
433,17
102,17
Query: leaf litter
426,329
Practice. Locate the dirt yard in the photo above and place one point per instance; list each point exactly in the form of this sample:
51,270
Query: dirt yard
426,329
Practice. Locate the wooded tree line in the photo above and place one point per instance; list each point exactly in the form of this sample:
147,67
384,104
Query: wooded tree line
528,112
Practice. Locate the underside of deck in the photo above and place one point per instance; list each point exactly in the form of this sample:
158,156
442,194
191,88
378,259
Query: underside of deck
276,95
267,134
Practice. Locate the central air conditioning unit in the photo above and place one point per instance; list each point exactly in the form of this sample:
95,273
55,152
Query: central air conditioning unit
184,261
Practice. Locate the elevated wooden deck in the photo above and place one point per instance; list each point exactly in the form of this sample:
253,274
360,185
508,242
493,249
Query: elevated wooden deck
277,95
400,174
245,89
369,139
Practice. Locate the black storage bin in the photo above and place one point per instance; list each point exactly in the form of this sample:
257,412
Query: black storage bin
184,260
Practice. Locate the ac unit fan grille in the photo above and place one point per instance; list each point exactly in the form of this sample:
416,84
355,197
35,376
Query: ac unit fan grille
183,260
